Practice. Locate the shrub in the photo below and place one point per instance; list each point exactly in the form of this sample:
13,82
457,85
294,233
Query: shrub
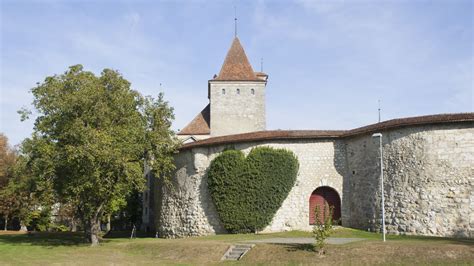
322,229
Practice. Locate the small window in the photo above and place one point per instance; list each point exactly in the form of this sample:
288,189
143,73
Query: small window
238,91
252,91
146,210
223,91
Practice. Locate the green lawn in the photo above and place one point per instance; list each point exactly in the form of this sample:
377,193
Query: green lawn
68,248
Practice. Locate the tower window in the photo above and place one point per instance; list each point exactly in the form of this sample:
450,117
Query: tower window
252,91
223,91
238,91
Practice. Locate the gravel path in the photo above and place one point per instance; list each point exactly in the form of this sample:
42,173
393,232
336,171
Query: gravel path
304,240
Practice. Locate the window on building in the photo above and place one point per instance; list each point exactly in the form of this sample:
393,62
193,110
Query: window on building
146,210
223,91
252,91
238,91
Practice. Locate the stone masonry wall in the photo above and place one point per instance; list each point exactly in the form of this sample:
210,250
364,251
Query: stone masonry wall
429,180
233,113
188,209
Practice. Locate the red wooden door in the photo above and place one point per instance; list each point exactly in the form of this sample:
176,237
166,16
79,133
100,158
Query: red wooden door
324,197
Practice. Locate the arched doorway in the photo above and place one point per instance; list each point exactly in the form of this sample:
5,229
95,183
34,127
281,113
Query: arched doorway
324,196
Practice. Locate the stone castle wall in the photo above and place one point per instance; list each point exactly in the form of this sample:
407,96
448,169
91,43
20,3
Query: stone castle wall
428,183
189,208
232,112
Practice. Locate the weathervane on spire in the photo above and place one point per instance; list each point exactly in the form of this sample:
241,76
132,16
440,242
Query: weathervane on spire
235,20
379,111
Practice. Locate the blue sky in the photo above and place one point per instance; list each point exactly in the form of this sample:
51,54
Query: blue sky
328,61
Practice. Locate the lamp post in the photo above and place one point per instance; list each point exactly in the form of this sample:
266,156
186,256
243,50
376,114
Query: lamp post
379,135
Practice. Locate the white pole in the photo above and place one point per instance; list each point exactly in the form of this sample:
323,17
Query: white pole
379,135
383,196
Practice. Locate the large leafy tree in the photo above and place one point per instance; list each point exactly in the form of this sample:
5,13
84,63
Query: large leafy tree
91,137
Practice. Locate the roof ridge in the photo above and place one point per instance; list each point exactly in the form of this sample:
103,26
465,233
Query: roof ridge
411,121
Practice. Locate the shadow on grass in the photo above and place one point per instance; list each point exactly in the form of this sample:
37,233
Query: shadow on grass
46,239
296,247
55,239
126,234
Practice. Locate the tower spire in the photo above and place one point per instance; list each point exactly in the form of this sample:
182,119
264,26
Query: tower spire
235,21
236,64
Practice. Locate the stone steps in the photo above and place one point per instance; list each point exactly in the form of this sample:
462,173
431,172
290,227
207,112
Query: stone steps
236,252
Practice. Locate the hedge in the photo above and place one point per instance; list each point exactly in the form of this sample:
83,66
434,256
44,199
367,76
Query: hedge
247,192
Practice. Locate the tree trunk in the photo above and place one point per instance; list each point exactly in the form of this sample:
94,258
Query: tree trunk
94,224
6,221
94,231
108,224
73,225
23,227
87,229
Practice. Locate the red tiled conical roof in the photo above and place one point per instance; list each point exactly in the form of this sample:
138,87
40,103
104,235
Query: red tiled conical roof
236,65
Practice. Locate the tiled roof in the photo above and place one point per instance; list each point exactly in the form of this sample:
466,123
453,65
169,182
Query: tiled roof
267,135
315,134
236,65
261,75
412,121
200,124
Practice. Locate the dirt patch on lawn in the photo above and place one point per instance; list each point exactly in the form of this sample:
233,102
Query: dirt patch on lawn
12,232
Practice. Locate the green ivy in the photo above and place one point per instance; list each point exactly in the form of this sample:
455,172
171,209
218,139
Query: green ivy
247,192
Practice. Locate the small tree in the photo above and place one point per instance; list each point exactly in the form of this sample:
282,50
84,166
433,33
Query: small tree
34,192
23,194
7,160
8,201
322,228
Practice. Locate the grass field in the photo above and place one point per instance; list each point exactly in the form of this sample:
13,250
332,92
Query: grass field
68,248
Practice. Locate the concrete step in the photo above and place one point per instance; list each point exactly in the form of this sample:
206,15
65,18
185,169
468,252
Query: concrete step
244,245
236,252
240,249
